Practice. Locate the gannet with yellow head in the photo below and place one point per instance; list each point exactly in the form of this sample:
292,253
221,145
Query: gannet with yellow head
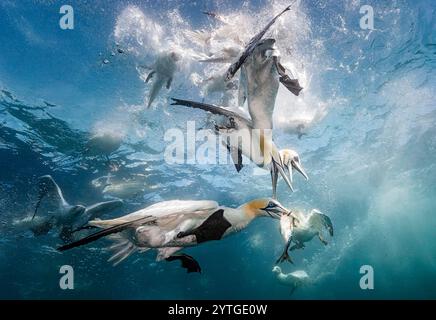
240,138
291,161
170,226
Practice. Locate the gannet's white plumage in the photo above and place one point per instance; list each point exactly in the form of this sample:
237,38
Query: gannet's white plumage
239,136
293,280
170,226
162,74
65,217
299,228
259,84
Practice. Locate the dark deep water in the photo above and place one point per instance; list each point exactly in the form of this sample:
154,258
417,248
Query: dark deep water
370,149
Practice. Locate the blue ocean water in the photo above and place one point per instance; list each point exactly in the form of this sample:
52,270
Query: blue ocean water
369,146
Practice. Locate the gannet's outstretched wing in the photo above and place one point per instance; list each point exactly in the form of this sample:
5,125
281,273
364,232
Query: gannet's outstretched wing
161,210
319,220
166,215
48,187
252,45
240,119
100,234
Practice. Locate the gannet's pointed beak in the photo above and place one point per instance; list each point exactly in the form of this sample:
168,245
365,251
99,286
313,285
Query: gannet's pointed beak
275,209
281,169
288,172
299,168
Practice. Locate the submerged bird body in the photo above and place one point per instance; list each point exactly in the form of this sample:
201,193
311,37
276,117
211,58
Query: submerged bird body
162,74
293,280
261,75
298,228
170,226
241,138
65,217
260,84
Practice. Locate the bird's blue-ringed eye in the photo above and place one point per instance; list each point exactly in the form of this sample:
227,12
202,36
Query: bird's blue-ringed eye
271,205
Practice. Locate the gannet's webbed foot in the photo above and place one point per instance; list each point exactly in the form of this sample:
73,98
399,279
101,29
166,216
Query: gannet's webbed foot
284,257
188,262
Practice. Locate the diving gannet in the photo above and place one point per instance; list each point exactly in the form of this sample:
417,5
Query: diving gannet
170,226
163,72
299,228
291,160
256,145
294,279
65,217
253,43
260,77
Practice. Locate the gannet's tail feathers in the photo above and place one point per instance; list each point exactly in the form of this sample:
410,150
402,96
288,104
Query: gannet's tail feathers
122,248
106,232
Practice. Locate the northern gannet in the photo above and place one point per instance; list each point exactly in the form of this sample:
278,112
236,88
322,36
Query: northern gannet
241,138
294,279
169,226
261,75
299,228
65,217
162,74
291,161
251,46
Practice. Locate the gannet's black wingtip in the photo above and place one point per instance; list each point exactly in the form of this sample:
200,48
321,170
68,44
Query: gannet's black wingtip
176,102
105,232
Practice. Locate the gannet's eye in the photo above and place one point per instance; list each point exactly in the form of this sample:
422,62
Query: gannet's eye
271,205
